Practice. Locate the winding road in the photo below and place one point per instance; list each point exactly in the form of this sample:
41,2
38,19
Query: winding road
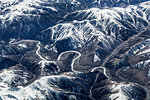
43,60
104,70
90,91
79,55
73,61
72,68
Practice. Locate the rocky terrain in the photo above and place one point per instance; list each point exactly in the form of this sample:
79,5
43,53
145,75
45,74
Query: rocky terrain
74,49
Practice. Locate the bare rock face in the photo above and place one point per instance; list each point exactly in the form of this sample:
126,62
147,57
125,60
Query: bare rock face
74,49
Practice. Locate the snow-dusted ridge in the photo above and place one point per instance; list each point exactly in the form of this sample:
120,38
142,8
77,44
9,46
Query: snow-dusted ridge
41,14
36,34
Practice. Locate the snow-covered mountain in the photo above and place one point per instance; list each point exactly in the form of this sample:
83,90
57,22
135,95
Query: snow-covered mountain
74,49
28,18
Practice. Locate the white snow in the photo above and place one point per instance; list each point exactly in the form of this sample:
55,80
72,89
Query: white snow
33,90
96,58
22,45
144,51
52,8
7,77
17,8
148,73
119,95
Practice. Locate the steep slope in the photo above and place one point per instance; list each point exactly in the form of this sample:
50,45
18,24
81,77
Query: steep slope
27,18
74,49
74,86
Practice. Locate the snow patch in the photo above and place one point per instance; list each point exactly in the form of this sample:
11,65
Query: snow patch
22,45
119,95
96,58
